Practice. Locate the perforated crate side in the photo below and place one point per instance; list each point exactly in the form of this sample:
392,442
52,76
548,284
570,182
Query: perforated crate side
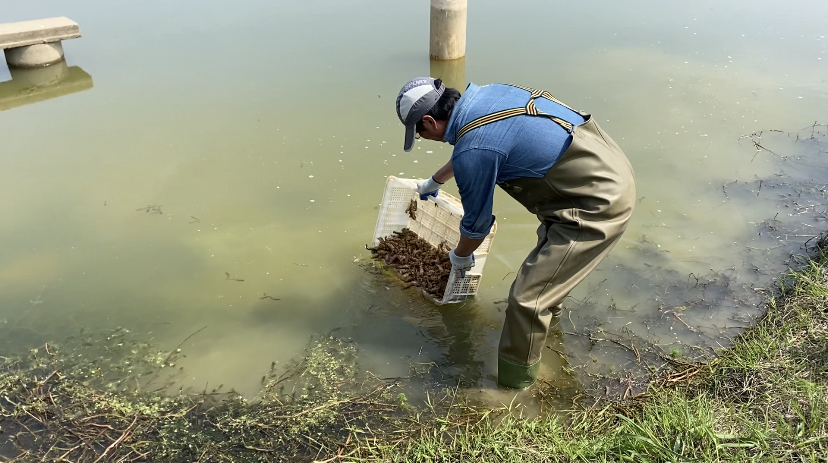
435,224
466,286
462,288
395,200
486,245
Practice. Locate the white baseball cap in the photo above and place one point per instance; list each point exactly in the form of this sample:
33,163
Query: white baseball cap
416,98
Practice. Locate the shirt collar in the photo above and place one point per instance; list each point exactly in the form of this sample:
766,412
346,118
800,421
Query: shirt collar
454,121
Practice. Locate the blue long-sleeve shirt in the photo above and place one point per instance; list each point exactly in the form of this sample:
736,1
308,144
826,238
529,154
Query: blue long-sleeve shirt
518,147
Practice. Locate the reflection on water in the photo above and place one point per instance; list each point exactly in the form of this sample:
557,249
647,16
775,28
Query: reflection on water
179,169
453,72
29,86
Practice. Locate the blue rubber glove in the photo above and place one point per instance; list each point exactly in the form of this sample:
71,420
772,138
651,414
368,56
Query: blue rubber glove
428,188
461,264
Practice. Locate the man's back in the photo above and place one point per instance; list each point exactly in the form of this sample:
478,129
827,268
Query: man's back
528,145
518,147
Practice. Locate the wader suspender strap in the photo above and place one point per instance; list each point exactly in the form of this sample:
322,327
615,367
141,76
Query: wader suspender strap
529,110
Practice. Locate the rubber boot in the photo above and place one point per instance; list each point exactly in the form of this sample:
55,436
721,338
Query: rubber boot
519,375
516,375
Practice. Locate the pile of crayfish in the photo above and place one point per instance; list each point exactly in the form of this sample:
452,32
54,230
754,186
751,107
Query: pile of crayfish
417,262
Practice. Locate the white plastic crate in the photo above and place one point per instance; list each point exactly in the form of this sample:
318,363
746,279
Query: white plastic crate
438,220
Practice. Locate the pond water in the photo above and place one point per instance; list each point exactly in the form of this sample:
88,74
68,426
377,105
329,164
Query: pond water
219,141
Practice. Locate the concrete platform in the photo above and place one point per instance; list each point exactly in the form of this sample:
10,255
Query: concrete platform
36,43
13,35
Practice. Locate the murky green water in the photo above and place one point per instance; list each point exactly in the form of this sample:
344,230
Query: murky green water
253,140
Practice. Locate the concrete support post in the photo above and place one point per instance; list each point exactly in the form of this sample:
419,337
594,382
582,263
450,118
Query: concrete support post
42,54
43,76
448,29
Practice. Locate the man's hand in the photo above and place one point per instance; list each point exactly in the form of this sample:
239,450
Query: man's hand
461,264
428,188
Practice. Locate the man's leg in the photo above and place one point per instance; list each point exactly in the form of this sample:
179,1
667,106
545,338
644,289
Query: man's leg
556,265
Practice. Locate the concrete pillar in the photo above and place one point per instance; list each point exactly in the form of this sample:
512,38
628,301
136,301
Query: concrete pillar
448,29
452,72
32,56
40,77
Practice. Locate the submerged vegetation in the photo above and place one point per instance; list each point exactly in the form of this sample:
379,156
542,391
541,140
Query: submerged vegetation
66,405
109,398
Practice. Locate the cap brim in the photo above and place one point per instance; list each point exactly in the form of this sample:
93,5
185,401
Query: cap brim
409,137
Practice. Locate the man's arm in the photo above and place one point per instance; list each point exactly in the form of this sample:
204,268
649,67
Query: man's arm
444,174
467,246
476,177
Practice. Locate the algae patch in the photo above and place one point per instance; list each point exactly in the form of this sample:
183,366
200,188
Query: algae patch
108,397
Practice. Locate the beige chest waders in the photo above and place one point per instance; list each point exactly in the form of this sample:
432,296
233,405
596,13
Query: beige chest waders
583,204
